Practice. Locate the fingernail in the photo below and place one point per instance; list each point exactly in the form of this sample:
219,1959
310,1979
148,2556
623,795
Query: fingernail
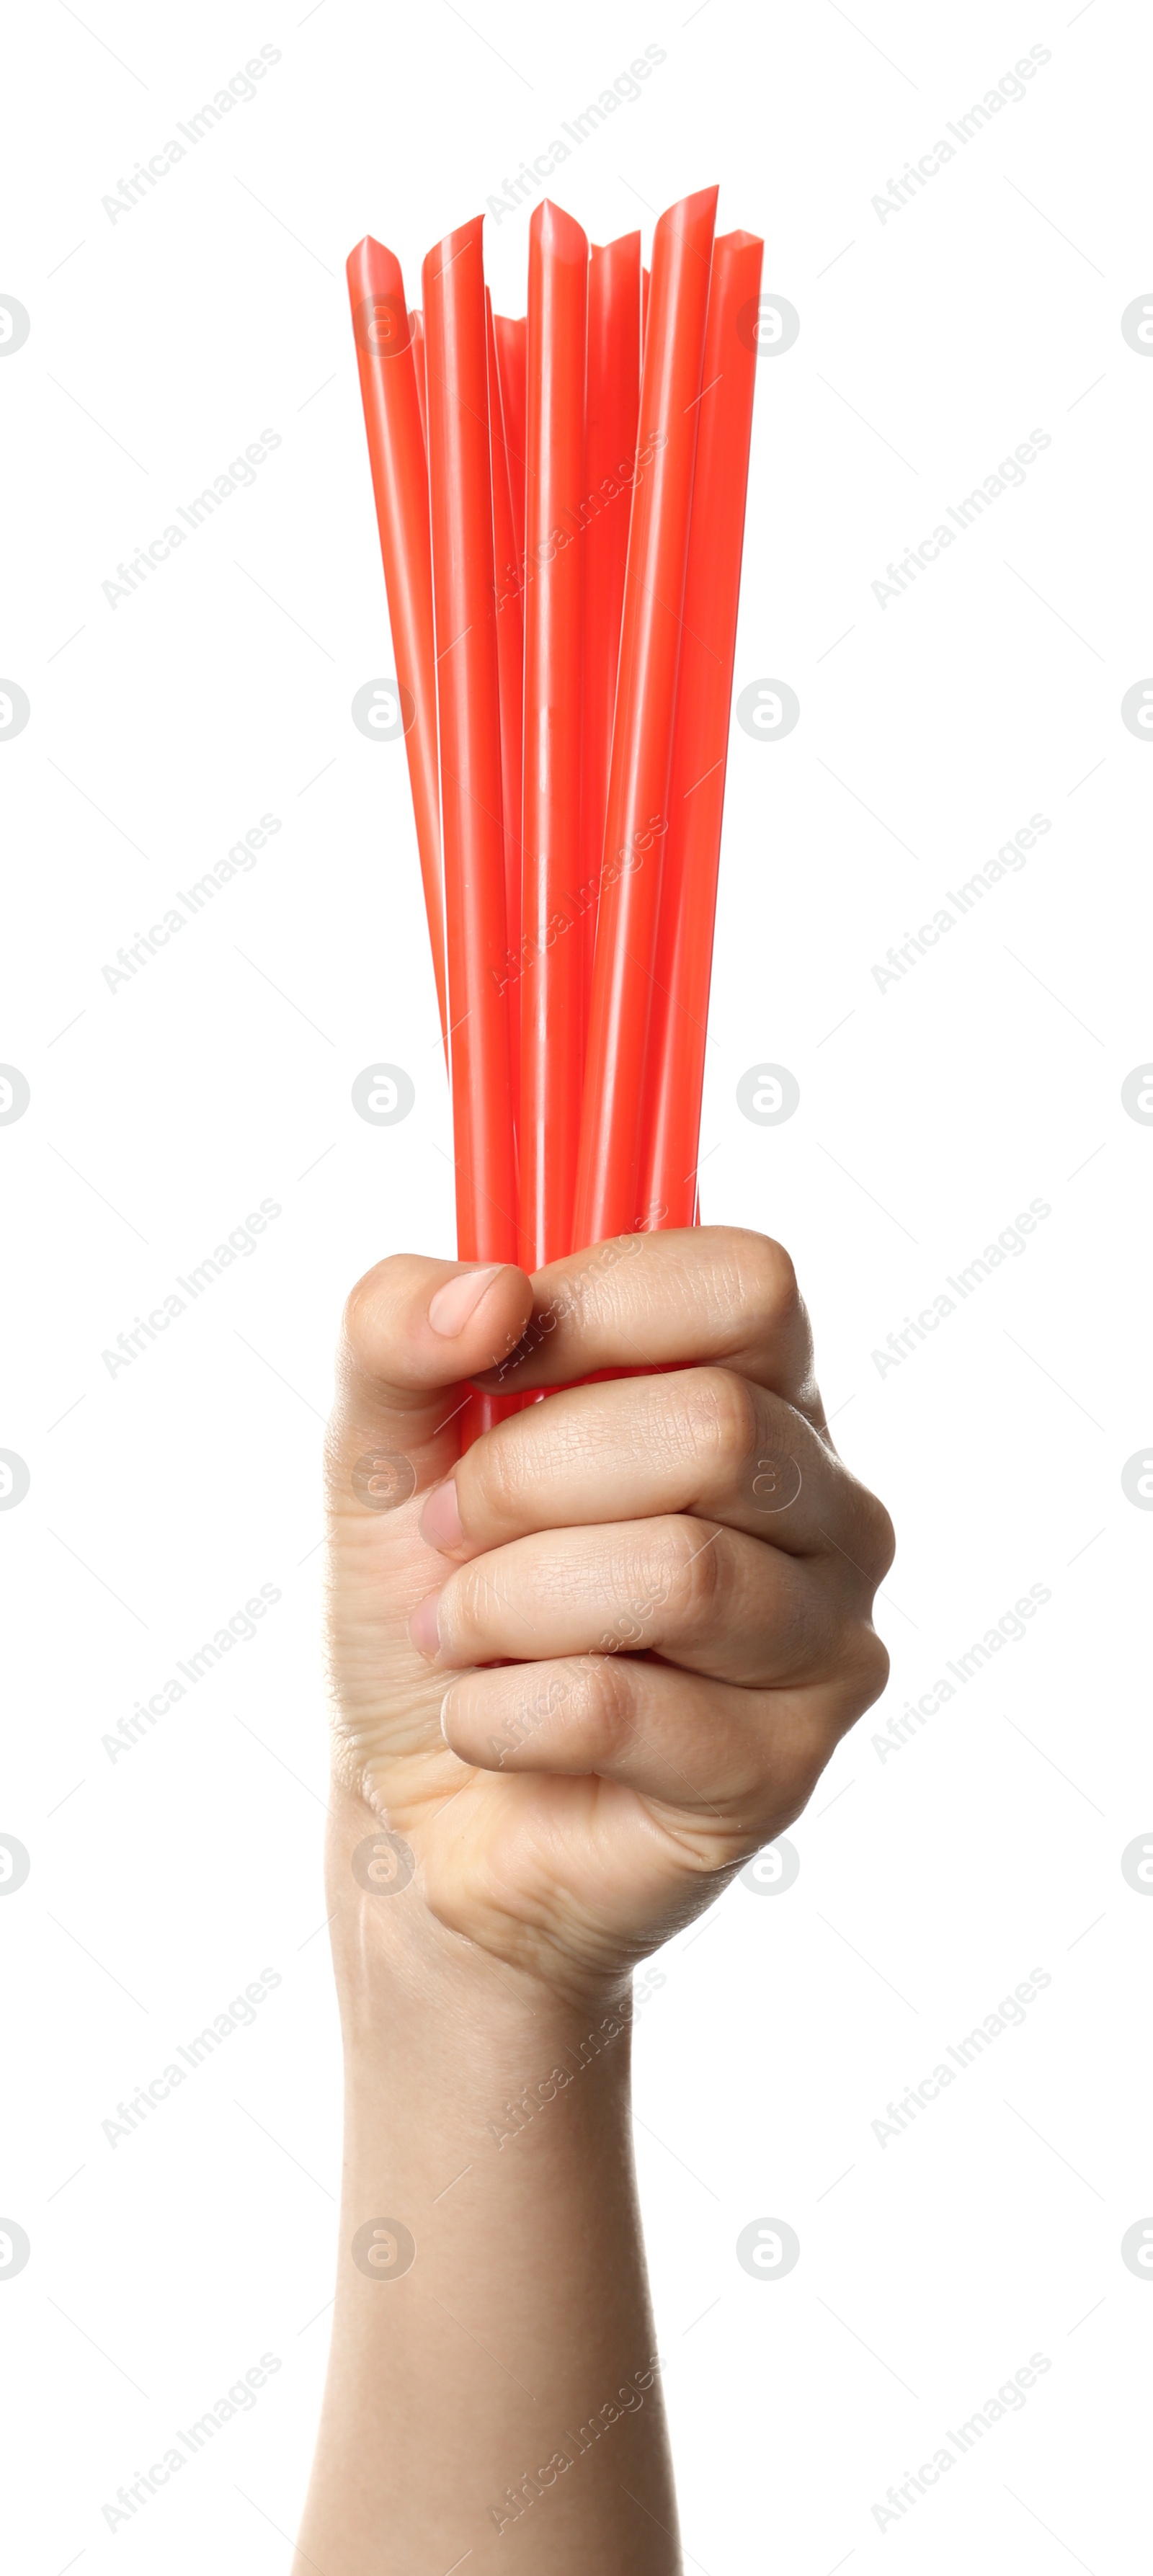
440,1519
424,1628
452,1305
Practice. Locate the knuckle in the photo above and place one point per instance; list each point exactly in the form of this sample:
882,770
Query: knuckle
874,1539
493,1478
764,1276
606,1705
691,1568
722,1416
360,1323
864,1671
882,1538
469,1604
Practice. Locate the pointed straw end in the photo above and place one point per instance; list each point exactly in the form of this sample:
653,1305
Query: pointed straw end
373,270
688,213
467,237
556,232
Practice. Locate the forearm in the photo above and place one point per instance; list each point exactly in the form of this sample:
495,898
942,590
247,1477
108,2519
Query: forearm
500,2394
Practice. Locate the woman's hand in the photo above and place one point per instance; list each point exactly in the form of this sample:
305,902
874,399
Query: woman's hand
586,1669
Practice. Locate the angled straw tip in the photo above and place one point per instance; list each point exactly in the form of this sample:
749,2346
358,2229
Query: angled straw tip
373,269
468,236
688,212
557,232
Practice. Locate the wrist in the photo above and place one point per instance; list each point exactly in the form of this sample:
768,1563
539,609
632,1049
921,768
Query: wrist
411,1989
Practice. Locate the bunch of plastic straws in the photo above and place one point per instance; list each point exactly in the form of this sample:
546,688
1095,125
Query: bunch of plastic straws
561,505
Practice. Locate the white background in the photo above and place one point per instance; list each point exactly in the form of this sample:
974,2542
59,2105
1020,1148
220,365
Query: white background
931,1882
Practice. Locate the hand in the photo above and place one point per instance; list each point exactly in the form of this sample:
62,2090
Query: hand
589,1667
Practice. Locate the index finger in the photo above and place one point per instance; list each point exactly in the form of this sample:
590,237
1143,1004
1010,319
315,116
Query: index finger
714,1292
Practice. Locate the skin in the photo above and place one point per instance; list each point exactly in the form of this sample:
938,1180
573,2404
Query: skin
577,1676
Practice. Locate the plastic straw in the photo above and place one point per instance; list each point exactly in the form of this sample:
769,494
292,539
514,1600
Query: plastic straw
510,350
612,402
416,326
456,356
388,392
510,673
637,815
697,786
551,981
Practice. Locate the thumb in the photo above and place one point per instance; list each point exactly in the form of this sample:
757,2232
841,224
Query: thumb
414,1331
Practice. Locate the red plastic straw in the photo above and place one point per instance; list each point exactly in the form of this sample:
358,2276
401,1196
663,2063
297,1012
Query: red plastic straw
552,979
456,353
388,392
510,671
416,326
613,396
697,786
510,350
646,283
637,817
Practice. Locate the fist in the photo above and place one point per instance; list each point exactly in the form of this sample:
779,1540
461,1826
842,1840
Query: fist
590,1666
